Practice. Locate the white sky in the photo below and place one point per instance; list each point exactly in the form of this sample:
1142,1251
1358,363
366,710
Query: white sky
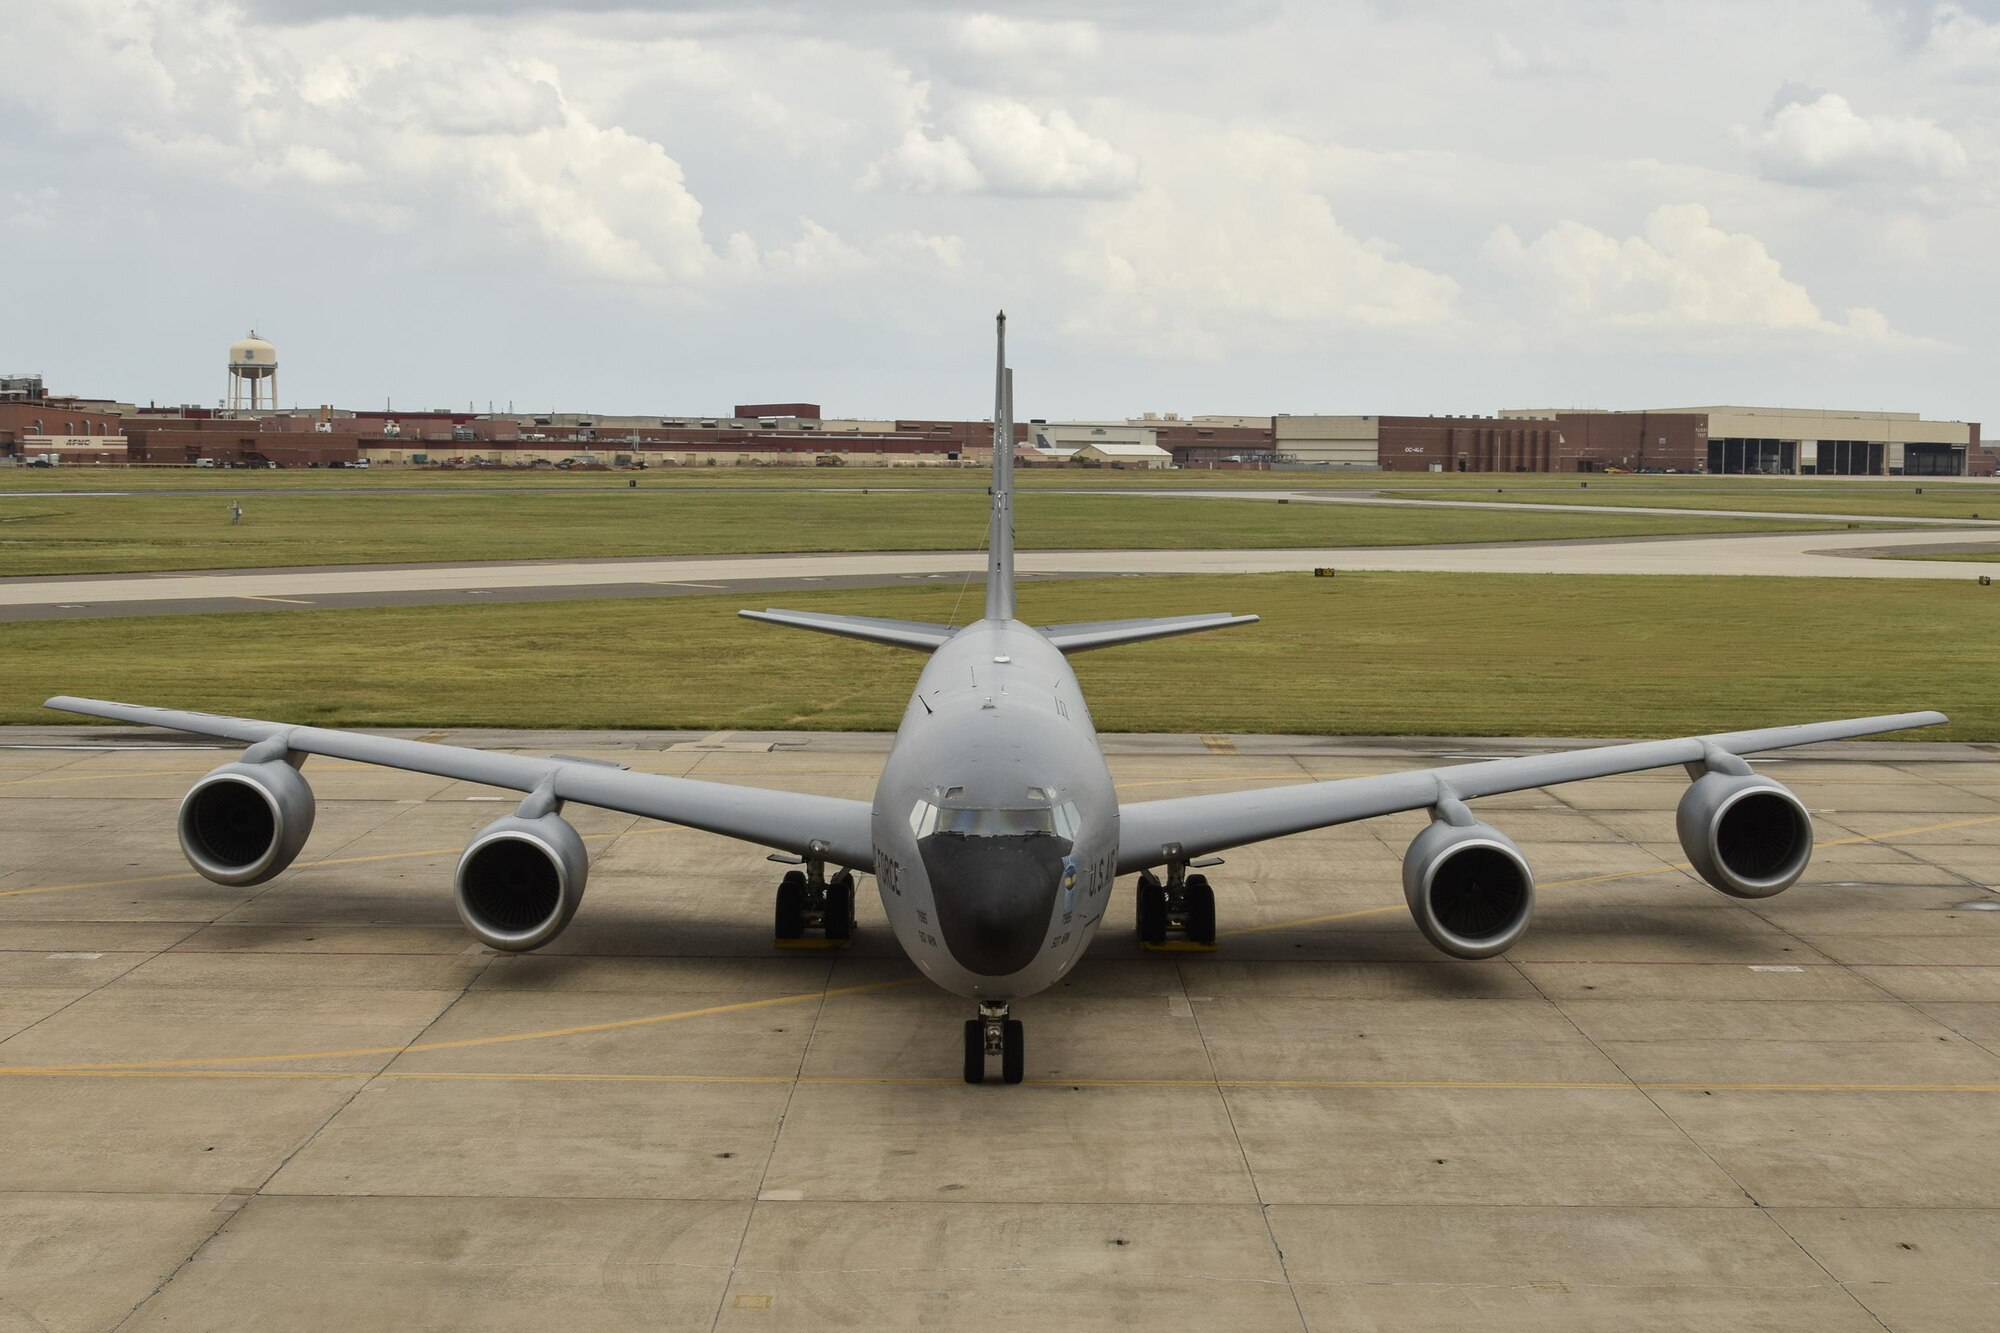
1228,206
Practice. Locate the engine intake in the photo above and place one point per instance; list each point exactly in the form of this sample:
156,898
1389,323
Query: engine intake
520,881
244,823
1469,888
1745,834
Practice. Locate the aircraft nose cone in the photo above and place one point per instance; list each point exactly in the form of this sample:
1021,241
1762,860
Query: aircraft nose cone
995,897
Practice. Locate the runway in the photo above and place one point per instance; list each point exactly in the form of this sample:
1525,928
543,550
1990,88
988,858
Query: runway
313,1105
1801,555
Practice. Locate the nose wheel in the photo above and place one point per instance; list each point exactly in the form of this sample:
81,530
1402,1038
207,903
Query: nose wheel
813,911
1176,914
993,1033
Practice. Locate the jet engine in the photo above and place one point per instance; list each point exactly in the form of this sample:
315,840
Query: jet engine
1469,888
1746,835
520,881
245,822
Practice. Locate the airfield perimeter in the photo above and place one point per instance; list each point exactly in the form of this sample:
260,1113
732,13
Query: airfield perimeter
312,1105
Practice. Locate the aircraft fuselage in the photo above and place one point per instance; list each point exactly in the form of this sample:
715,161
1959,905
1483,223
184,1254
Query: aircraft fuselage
995,825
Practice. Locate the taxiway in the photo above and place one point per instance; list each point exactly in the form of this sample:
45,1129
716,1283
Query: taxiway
1859,554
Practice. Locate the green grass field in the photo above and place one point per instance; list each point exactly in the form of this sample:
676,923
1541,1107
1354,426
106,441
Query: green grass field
1987,557
1393,654
78,534
1606,487
1892,497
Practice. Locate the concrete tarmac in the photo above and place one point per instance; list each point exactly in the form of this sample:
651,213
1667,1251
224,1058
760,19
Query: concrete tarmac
315,1104
1859,554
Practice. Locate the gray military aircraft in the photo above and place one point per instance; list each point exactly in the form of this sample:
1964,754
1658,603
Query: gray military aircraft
995,833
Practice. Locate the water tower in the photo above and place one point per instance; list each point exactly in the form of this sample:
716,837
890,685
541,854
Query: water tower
253,374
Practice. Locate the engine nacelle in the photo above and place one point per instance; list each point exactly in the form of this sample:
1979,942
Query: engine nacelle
1469,888
520,881
245,822
1745,834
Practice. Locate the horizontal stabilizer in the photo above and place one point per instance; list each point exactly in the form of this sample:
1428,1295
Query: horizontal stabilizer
896,633
1105,633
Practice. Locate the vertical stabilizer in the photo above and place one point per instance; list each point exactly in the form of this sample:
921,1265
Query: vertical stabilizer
1000,539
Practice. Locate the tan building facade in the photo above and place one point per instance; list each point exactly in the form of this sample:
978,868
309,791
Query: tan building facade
1328,441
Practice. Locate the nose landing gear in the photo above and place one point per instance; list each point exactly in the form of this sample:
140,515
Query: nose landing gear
808,903
1180,913
994,1033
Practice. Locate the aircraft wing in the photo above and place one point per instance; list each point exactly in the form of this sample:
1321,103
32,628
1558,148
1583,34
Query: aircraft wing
1199,825
1106,633
873,629
789,821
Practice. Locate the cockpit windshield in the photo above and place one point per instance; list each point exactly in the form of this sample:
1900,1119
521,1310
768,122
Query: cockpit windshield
1055,821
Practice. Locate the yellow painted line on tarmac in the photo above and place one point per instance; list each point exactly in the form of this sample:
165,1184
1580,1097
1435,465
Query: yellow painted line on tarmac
1318,920
186,1068
463,1043
106,777
178,875
1607,878
290,601
893,1080
320,765
1911,832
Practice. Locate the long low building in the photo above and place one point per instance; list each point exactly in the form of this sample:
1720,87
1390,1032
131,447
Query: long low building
1773,441
37,426
1732,440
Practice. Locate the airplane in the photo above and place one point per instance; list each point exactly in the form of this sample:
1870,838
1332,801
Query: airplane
995,834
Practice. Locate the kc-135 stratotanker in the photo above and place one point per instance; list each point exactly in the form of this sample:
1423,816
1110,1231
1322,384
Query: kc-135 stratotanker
995,835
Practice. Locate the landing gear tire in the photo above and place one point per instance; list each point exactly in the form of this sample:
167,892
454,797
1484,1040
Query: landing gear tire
1152,911
790,923
975,1051
840,906
1200,910
1178,913
994,1033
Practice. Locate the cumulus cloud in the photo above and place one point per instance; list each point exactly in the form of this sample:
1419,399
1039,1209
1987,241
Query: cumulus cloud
1534,60
1160,175
1023,151
924,164
1821,139
402,140
1233,234
1002,146
1001,39
32,210
1683,274
1963,42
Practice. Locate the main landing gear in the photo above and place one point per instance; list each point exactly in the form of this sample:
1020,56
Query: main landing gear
1179,914
993,1033
814,912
